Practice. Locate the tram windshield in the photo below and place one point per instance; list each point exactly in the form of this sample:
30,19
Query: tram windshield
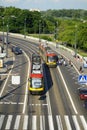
36,83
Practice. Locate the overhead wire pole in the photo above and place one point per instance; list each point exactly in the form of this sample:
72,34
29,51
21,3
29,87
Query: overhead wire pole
75,40
39,30
7,41
56,32
7,35
25,28
3,33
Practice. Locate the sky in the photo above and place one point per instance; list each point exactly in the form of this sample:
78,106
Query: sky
45,4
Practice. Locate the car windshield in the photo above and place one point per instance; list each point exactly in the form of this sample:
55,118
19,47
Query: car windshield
83,91
17,48
36,83
52,58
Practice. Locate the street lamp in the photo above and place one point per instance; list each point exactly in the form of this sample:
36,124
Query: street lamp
25,28
7,41
75,40
39,30
3,33
12,16
56,32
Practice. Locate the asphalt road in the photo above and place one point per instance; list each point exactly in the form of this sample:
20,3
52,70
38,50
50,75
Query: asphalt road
58,109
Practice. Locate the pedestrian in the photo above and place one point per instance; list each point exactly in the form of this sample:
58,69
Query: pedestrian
80,69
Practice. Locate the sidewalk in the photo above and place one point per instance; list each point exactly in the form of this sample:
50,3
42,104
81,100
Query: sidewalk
76,61
8,62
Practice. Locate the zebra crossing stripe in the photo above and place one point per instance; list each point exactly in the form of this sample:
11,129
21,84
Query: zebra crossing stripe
50,120
10,119
17,122
59,123
34,123
25,124
1,120
76,122
68,125
83,122
9,122
42,123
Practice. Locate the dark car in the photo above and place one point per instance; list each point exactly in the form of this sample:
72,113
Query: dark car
83,93
16,50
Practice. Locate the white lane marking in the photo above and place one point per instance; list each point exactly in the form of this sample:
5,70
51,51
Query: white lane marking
59,122
8,125
6,81
68,91
76,122
25,124
68,125
50,120
1,120
42,123
13,103
26,90
34,123
83,122
38,104
17,122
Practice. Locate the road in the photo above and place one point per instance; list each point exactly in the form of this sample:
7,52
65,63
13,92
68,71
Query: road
58,109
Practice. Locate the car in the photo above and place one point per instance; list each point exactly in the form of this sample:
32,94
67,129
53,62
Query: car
16,50
83,93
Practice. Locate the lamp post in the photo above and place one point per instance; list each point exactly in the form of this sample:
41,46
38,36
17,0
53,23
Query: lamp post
7,41
75,40
39,30
56,33
3,33
25,28
3,30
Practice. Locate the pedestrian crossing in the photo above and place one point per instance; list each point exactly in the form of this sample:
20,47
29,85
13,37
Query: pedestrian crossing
43,122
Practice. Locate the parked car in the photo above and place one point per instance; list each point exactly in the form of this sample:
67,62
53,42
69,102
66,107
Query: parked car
83,93
16,50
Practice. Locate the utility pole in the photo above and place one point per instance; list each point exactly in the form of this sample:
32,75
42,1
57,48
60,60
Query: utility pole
39,30
7,41
3,33
75,40
56,33
25,28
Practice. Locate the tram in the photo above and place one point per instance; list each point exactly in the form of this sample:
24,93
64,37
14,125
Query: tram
48,55
36,78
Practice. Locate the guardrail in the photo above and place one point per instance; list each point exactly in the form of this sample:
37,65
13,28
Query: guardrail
45,41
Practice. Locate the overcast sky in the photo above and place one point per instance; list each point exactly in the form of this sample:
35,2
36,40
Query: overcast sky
45,4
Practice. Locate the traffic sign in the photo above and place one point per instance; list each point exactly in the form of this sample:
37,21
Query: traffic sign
82,79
